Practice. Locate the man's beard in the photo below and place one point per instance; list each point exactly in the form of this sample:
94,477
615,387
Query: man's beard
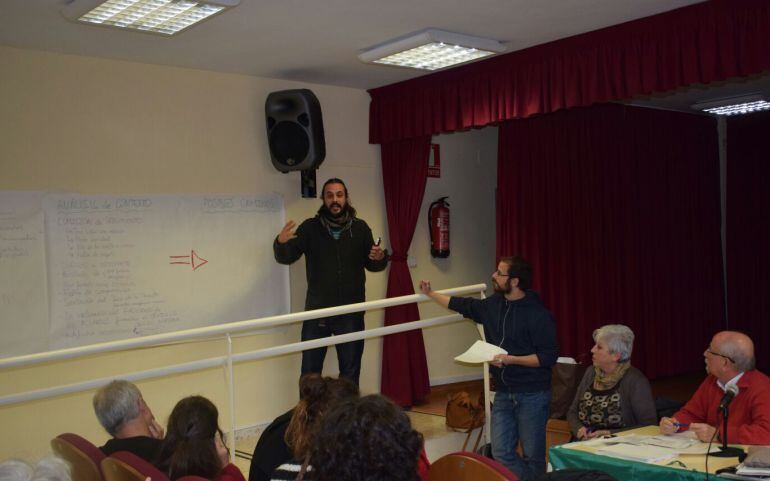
328,212
504,289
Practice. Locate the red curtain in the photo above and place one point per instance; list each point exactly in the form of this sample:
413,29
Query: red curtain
404,173
617,208
748,229
701,43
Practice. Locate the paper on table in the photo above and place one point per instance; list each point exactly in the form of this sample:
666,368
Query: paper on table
672,442
479,352
679,444
699,449
747,471
644,454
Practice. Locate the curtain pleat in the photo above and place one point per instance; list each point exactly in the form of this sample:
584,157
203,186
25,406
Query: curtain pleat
748,229
618,210
404,174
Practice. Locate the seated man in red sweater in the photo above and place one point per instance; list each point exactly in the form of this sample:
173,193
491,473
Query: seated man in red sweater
729,361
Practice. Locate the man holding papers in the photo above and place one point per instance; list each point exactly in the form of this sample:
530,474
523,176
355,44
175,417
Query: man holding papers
730,365
515,320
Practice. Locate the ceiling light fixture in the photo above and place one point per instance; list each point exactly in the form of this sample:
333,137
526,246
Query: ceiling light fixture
165,17
744,104
431,49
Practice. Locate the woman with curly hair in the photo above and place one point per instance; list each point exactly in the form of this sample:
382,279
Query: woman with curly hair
317,395
366,439
193,445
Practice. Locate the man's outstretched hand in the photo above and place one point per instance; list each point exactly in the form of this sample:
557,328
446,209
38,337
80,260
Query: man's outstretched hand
287,233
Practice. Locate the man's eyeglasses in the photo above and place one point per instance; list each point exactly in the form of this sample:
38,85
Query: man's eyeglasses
720,355
500,274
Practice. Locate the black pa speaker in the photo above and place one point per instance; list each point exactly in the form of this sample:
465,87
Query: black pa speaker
295,130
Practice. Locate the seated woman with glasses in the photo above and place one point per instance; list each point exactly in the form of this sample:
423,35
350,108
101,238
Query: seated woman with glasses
194,446
613,395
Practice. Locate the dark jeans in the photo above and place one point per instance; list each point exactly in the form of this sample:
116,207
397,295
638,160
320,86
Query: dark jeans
520,417
348,354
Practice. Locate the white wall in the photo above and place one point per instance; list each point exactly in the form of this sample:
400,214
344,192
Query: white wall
92,125
468,177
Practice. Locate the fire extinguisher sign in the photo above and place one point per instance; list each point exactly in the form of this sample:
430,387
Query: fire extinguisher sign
434,161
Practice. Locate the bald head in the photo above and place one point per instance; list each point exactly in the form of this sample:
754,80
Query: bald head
738,346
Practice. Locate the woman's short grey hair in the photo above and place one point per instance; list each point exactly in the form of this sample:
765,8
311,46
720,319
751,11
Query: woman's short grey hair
619,339
48,469
116,403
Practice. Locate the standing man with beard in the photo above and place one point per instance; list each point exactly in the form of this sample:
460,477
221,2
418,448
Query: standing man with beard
338,246
515,320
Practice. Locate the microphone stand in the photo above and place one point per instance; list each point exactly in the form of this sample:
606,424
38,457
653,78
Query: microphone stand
725,450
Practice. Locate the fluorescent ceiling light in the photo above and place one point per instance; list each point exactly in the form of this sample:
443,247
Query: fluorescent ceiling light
745,104
431,50
165,17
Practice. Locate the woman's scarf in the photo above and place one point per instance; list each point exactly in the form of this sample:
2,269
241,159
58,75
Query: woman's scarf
603,381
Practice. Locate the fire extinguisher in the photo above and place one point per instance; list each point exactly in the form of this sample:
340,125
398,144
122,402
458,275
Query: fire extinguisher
438,220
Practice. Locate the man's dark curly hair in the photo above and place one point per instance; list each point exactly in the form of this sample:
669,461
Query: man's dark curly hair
367,439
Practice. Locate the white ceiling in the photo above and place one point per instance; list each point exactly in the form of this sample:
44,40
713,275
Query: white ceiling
316,41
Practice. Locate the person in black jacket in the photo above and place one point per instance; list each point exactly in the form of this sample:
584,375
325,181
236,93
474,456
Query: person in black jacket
515,320
271,450
338,248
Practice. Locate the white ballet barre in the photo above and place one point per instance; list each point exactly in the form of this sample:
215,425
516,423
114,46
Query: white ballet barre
224,329
222,360
230,359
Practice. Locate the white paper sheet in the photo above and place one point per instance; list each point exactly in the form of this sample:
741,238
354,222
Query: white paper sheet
480,352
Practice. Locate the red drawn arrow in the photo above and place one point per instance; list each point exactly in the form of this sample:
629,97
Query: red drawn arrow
193,260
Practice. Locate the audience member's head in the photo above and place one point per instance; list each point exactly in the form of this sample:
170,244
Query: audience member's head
367,438
121,410
317,396
193,445
47,469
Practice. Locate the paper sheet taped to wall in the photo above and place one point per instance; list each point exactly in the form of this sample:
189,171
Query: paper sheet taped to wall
118,267
23,287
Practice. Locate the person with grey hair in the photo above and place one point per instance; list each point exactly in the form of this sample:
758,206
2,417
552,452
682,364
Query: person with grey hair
121,410
730,367
47,469
613,395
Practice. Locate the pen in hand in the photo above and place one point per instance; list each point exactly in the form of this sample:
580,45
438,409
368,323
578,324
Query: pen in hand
681,425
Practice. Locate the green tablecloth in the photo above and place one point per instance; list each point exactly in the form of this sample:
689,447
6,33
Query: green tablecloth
561,458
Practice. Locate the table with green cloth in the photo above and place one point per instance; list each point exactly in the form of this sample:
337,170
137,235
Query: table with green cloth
685,467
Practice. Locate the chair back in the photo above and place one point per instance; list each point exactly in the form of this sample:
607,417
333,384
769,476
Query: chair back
467,466
125,466
116,470
83,456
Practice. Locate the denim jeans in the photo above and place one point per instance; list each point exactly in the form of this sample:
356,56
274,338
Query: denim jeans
348,354
520,417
